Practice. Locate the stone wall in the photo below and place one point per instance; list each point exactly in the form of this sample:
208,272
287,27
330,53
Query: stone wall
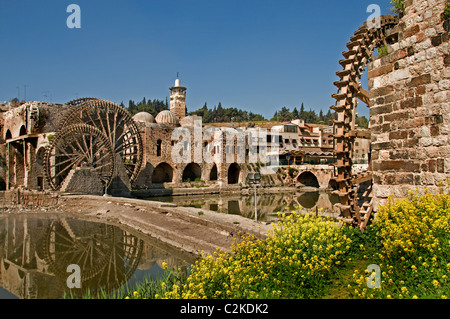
158,159
409,105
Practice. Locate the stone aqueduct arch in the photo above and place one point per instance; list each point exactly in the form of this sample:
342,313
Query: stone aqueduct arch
163,172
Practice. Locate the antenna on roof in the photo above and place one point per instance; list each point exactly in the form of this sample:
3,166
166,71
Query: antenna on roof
178,75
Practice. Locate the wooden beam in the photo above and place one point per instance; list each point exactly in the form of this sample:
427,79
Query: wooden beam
360,134
361,94
359,179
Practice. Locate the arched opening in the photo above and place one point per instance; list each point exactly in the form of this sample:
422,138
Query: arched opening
39,168
23,131
163,173
233,174
308,179
192,172
158,148
213,174
8,135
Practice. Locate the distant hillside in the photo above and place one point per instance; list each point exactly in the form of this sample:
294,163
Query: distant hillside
219,114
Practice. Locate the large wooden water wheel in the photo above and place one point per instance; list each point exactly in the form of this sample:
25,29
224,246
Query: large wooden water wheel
360,51
117,125
118,142
78,145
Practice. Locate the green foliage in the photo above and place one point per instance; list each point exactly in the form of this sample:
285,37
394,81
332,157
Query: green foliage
295,261
411,244
398,6
220,114
152,107
286,115
147,288
382,51
446,15
362,122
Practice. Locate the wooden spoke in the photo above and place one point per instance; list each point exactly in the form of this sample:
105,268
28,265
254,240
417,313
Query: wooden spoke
116,124
89,146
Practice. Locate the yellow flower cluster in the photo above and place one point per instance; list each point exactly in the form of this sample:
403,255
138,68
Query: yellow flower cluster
136,295
292,262
414,251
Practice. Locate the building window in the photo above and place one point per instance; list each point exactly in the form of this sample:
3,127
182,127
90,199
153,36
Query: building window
158,148
290,129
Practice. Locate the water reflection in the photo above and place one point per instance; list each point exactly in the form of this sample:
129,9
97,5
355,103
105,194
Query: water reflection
35,253
268,205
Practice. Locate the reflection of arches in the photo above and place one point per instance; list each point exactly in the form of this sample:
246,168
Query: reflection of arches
333,184
233,173
333,198
163,173
213,174
192,172
8,135
23,130
233,207
308,200
308,179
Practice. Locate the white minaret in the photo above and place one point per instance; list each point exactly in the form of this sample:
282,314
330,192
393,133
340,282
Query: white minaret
178,100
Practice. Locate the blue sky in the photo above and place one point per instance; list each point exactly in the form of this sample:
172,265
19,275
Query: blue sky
254,55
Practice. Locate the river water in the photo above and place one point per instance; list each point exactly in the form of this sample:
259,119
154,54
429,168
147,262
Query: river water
36,250
267,205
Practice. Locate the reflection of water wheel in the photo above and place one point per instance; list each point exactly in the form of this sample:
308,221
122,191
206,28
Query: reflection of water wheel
115,123
68,244
75,145
107,255
123,261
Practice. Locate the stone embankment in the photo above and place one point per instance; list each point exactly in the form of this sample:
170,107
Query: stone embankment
187,229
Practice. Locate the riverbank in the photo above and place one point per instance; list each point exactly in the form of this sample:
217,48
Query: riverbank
226,190
188,229
309,257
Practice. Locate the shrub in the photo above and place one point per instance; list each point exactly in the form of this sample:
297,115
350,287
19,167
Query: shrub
398,6
413,249
294,261
446,15
382,51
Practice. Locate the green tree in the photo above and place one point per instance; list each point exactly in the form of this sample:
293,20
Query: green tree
362,122
295,113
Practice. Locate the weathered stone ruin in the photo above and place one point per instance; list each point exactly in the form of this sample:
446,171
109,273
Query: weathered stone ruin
409,105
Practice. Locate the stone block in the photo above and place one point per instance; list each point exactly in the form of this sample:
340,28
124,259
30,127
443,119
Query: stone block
396,165
420,80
